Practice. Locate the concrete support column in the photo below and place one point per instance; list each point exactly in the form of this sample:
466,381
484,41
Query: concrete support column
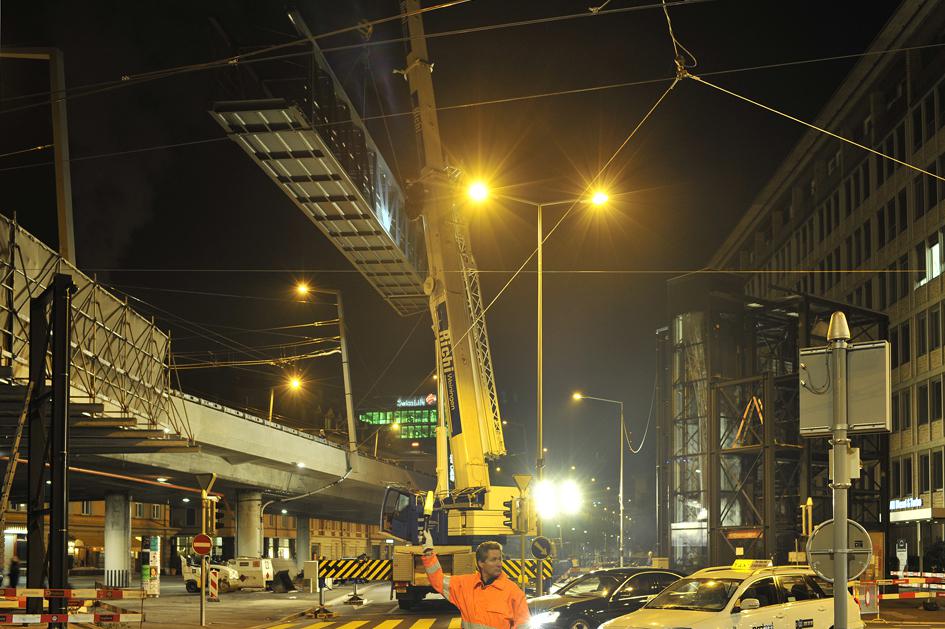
303,542
117,540
248,523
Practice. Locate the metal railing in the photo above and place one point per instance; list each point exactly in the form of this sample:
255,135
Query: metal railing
119,359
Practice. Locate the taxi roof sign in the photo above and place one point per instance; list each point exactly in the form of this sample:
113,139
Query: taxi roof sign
748,565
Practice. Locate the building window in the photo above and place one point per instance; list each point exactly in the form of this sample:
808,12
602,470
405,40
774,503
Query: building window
918,189
921,334
907,476
903,209
924,473
139,510
931,196
894,405
922,403
86,507
894,347
937,470
928,259
904,343
904,283
905,411
157,512
894,488
935,328
935,398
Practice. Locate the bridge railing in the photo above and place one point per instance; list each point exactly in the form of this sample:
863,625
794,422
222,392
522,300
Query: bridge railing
120,358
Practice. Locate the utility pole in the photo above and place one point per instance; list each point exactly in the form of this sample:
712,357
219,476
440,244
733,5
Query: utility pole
206,484
60,131
838,334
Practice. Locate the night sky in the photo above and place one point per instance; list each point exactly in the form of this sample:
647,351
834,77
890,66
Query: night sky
203,219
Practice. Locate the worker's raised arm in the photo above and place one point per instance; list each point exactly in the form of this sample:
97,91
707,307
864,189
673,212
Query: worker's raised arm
431,563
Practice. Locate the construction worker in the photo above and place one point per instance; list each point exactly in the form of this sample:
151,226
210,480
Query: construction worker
486,599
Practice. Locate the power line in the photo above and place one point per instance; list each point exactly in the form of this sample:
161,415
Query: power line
816,128
507,100
233,60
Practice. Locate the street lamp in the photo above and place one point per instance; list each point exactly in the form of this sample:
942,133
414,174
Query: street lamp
580,396
293,384
303,290
479,192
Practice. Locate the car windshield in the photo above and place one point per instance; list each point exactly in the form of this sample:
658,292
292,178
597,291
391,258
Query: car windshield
708,595
600,585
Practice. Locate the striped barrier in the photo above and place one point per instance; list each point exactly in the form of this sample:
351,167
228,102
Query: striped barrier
368,570
513,568
39,619
382,569
106,594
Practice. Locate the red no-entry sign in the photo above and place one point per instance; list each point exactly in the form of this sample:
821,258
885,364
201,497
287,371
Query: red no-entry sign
202,544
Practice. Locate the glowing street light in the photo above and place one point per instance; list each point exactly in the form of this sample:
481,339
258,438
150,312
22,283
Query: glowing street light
478,192
600,198
294,384
302,289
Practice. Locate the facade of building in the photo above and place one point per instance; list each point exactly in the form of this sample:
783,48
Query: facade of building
838,222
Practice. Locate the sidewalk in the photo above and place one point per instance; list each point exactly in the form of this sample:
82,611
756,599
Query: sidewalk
906,613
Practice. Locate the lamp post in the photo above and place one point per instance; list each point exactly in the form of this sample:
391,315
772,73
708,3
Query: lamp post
479,192
293,384
303,290
581,396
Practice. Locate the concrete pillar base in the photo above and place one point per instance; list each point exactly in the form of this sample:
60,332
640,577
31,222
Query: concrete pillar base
117,540
248,523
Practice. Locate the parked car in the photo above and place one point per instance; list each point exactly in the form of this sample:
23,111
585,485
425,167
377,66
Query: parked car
591,599
726,598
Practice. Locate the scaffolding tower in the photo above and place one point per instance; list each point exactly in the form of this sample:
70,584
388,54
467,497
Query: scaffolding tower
733,469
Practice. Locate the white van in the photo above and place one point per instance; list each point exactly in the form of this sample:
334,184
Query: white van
254,572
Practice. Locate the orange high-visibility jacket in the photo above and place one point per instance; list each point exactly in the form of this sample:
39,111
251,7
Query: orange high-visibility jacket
499,605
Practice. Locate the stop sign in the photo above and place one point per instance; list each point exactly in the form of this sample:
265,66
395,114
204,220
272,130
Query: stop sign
202,544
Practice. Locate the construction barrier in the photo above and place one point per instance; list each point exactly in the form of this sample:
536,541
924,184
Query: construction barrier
214,594
368,570
513,568
75,596
105,594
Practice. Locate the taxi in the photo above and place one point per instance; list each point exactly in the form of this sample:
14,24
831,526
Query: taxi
746,595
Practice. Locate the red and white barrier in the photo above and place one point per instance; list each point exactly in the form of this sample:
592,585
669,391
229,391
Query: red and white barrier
47,618
214,594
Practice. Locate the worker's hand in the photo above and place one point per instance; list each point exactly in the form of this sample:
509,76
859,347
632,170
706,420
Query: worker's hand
427,542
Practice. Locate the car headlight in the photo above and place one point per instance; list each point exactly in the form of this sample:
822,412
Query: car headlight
544,618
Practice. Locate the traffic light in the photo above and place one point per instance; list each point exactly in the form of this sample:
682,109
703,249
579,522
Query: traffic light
511,514
215,513
218,514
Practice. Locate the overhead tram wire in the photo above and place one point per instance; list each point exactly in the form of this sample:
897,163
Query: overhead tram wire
87,89
233,60
511,99
590,187
817,128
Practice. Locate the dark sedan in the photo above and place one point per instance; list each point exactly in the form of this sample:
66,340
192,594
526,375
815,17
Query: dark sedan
599,596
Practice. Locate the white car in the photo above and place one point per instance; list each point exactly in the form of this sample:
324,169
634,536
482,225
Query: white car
784,597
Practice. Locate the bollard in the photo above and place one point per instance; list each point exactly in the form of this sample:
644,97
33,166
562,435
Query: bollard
214,595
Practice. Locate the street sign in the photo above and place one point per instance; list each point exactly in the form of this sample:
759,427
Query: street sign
522,481
820,551
202,544
541,547
868,389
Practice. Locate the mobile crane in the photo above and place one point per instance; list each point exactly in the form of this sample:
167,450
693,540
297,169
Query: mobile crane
470,424
307,138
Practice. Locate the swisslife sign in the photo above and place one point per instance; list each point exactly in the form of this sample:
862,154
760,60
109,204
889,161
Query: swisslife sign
419,401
